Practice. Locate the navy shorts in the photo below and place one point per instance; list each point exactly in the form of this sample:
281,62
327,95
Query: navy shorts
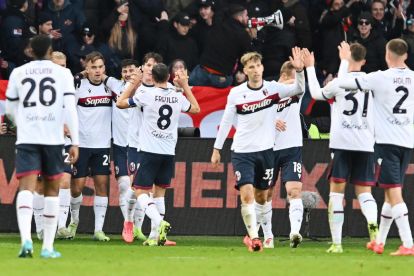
68,165
120,157
133,160
253,168
155,169
92,162
46,160
392,163
357,166
289,162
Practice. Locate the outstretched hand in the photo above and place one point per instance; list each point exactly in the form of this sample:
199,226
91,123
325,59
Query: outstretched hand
344,51
308,58
296,59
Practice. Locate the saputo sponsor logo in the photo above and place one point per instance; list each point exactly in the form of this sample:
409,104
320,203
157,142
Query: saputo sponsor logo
247,108
95,101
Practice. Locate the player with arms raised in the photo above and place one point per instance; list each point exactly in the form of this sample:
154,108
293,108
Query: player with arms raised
40,97
394,135
251,103
351,142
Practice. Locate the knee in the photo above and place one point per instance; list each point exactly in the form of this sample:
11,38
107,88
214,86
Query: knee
294,193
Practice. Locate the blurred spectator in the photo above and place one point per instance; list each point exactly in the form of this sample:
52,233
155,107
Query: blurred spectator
226,42
408,36
176,65
122,40
388,28
173,7
67,20
205,20
178,44
299,23
374,42
334,26
86,44
14,34
45,26
96,11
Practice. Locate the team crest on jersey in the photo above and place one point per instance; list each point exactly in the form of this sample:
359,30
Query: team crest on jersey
132,166
89,90
238,175
265,92
74,170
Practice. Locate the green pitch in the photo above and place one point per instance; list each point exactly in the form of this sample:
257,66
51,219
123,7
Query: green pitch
201,256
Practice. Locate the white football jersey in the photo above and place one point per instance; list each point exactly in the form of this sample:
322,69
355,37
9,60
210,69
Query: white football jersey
94,104
252,108
288,110
40,87
135,119
393,91
161,111
120,117
352,116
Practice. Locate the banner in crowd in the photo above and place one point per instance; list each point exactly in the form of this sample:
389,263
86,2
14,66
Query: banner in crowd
212,102
202,199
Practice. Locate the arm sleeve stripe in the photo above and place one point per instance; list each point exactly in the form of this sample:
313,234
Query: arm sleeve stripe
106,80
358,85
12,99
68,93
189,108
323,95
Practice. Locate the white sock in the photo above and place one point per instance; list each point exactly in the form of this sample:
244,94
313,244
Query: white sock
64,204
385,223
131,200
160,204
295,215
368,207
400,215
124,183
259,209
75,203
38,205
100,205
267,220
249,217
50,218
150,209
336,216
24,208
139,215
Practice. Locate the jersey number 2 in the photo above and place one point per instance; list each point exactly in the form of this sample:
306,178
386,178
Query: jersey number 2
43,87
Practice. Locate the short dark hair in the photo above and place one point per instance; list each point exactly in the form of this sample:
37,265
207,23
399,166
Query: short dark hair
160,73
129,62
397,46
358,51
94,56
157,57
40,45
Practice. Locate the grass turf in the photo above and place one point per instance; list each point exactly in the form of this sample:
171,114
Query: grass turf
200,256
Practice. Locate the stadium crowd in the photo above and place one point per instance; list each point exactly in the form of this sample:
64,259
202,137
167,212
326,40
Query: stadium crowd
209,36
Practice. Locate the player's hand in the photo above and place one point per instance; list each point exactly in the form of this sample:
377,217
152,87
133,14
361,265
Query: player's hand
181,79
215,158
296,59
55,34
136,78
3,128
280,125
308,58
344,51
73,154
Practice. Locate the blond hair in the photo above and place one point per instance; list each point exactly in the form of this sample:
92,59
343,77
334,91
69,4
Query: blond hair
397,46
115,38
251,56
57,55
287,68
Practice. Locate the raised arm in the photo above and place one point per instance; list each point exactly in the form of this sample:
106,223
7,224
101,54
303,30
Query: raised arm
181,79
314,87
125,99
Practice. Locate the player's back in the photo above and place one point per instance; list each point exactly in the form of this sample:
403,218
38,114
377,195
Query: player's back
161,111
352,117
394,106
40,86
